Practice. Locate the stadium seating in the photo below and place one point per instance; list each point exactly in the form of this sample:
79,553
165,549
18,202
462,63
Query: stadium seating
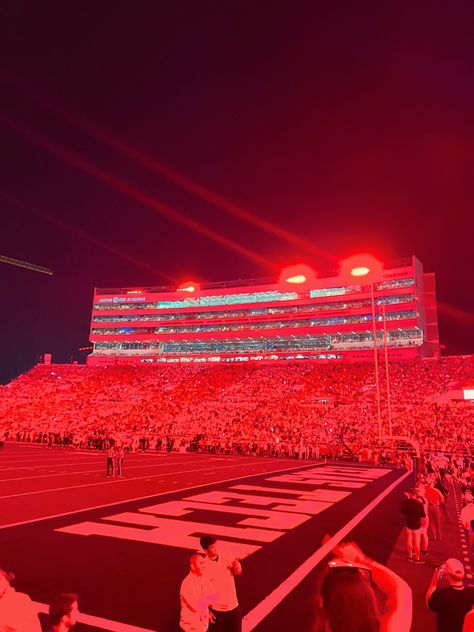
292,409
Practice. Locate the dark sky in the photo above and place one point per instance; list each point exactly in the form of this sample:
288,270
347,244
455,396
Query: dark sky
349,125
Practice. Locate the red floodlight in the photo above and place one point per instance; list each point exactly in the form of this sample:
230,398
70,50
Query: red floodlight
297,275
191,287
363,267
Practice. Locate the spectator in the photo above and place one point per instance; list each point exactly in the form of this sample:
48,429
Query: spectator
469,622
220,568
17,612
63,612
414,513
467,520
452,603
119,455
347,599
194,598
435,498
109,455
424,524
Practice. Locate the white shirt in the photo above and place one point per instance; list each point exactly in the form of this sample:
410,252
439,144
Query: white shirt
18,613
221,582
467,515
194,604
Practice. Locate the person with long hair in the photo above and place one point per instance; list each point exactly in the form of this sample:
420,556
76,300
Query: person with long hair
347,600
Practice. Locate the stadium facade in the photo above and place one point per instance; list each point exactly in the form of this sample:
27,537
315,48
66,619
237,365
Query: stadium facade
322,320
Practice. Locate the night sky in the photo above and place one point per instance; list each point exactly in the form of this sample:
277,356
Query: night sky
340,126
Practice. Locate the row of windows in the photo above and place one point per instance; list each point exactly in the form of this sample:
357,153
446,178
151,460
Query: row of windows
258,358
337,341
247,298
278,324
259,311
203,301
357,289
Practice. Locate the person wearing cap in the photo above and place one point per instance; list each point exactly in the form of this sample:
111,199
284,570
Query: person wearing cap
17,612
453,602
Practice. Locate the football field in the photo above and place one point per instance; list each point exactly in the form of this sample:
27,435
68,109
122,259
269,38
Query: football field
123,544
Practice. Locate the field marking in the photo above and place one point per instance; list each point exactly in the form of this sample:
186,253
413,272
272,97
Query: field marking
98,622
109,482
99,456
271,601
101,470
127,500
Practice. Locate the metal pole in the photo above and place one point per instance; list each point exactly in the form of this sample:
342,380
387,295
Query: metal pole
387,374
24,264
376,362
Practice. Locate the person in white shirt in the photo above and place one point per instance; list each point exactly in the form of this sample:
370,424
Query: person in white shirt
194,598
17,612
467,520
220,568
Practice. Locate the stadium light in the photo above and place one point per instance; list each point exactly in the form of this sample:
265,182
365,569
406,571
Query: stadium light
299,274
360,271
298,278
191,287
362,266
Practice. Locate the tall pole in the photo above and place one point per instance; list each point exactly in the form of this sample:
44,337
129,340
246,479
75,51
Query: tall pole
376,361
24,264
387,374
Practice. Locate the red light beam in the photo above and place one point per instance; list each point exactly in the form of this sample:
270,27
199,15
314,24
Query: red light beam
86,236
108,178
161,169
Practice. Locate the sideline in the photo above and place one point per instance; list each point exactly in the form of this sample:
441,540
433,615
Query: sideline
262,609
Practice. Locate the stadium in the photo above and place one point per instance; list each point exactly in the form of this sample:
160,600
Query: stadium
300,318
237,362
241,395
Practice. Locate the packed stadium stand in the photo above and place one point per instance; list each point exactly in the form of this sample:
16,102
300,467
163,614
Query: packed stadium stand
288,410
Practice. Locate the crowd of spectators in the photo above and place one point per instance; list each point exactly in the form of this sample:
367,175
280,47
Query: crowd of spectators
293,410
305,411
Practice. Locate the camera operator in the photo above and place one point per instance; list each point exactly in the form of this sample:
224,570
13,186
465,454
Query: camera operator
453,602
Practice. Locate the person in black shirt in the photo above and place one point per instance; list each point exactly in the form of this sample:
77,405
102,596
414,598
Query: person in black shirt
413,512
451,604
